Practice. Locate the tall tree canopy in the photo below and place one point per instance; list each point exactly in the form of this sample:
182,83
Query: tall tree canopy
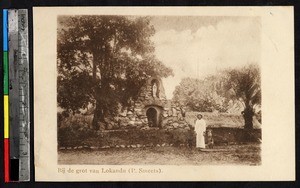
104,61
201,95
244,85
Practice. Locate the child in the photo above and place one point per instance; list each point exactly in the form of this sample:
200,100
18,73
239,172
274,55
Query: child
210,140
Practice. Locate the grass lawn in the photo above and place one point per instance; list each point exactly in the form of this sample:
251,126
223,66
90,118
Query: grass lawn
248,154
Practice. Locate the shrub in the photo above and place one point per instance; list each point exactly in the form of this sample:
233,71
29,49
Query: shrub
70,136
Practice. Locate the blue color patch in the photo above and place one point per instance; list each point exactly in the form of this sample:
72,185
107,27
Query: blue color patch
5,31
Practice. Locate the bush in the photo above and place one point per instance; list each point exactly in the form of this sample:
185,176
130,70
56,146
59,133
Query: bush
74,135
235,135
70,136
76,131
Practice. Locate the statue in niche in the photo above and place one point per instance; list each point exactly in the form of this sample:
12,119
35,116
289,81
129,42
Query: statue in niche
154,90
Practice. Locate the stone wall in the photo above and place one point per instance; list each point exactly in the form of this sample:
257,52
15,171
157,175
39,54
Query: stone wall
171,117
153,110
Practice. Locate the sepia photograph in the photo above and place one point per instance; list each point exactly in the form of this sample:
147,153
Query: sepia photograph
164,93
158,90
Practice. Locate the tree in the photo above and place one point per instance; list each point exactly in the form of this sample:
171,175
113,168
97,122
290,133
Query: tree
104,61
244,85
201,95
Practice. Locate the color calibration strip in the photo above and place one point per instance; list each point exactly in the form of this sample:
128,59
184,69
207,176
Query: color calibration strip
6,97
16,95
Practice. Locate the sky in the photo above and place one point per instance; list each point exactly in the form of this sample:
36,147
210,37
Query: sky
200,46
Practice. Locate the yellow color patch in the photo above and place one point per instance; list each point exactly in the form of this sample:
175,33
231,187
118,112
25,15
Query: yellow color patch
6,117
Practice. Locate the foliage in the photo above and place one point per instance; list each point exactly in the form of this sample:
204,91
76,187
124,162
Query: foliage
220,91
201,95
244,85
70,136
104,61
75,136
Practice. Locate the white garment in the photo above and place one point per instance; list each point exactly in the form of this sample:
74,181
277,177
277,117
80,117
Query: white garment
200,128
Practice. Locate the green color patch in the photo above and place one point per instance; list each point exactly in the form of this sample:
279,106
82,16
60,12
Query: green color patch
5,73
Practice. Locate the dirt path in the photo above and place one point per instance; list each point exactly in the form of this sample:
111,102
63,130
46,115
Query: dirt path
225,155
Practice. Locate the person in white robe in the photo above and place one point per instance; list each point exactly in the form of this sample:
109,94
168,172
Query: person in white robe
200,128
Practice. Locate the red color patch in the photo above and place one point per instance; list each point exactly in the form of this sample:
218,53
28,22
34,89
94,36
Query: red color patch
6,160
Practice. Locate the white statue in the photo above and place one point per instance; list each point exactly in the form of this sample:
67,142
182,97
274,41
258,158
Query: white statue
154,90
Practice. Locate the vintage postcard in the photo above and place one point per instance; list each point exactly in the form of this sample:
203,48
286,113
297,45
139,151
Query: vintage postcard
164,93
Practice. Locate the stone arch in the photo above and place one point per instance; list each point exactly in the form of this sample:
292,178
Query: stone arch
154,115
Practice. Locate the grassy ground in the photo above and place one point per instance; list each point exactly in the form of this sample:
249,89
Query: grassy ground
248,154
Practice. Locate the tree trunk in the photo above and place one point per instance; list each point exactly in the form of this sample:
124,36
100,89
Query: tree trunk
97,116
101,85
100,111
248,118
